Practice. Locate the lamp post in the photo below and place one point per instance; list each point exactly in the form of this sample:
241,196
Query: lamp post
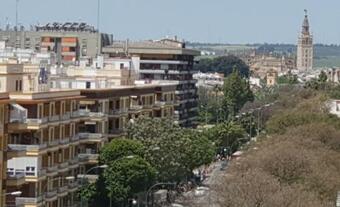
155,185
83,177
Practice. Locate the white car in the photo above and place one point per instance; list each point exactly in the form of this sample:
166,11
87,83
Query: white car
201,191
176,205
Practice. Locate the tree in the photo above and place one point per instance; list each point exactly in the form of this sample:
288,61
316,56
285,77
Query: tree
236,93
119,148
323,77
226,134
173,151
288,79
223,64
128,172
128,176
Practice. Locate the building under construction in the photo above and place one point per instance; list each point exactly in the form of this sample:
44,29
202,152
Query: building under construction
70,41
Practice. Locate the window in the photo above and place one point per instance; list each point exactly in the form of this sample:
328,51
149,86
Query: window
88,85
16,85
122,66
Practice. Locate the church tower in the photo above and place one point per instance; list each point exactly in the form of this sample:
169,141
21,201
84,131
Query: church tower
305,47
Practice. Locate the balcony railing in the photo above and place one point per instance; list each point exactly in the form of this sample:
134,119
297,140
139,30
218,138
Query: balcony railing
75,137
147,106
75,114
96,114
73,161
19,201
66,116
135,107
54,118
86,156
52,168
72,185
36,121
63,189
64,141
119,111
160,103
63,165
53,142
90,135
51,193
21,147
83,112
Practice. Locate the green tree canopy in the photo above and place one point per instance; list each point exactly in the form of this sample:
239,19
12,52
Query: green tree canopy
225,134
125,177
236,93
223,64
170,148
119,148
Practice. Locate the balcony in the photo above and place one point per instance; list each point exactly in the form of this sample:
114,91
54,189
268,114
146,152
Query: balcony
118,112
53,143
28,201
64,141
54,118
147,106
98,137
51,194
160,103
75,138
52,169
72,186
136,108
36,121
63,190
75,114
74,162
15,180
96,114
29,149
63,165
90,158
66,116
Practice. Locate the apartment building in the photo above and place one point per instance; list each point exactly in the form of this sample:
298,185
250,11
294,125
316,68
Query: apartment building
43,140
166,59
55,134
70,41
4,103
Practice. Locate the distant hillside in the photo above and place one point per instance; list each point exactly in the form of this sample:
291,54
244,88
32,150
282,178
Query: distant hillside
325,55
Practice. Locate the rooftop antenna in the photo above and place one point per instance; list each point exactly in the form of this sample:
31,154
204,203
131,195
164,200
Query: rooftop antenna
98,22
16,22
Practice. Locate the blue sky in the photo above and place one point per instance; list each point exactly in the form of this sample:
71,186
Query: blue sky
225,21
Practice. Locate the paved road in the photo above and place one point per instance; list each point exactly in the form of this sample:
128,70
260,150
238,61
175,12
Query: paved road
209,198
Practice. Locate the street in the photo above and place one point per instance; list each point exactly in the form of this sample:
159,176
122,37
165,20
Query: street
208,197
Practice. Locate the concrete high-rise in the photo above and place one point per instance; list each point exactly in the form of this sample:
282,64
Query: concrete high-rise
305,47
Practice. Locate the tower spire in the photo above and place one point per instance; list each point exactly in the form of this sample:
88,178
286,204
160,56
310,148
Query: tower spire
305,25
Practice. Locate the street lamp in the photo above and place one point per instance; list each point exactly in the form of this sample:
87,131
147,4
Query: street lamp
155,185
15,193
133,201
